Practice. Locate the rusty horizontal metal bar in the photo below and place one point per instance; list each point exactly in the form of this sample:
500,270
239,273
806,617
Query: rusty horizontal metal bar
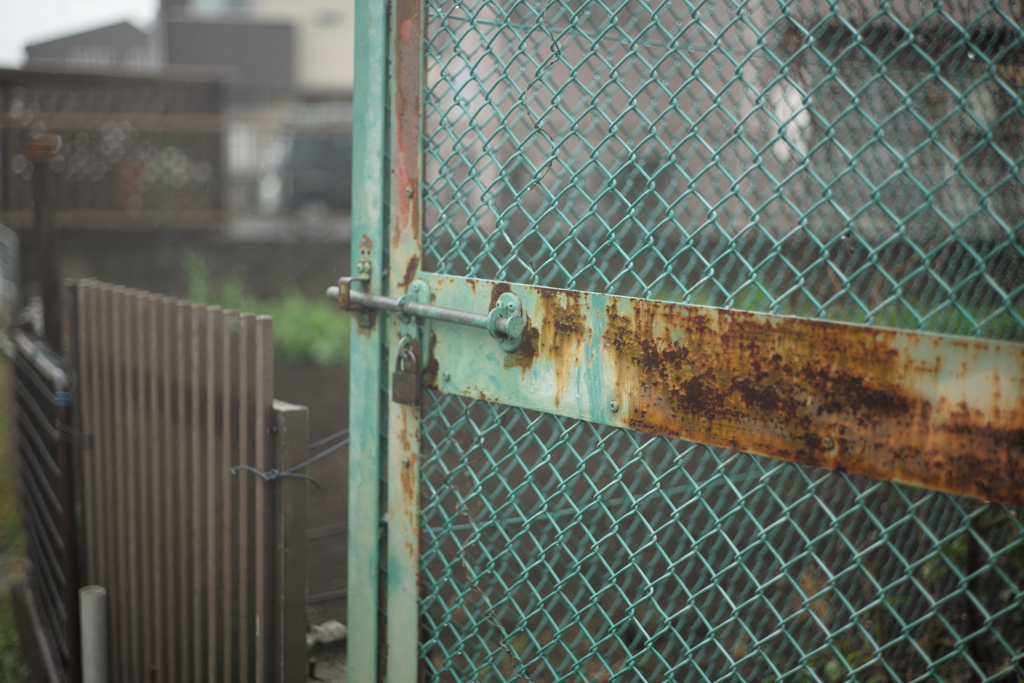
941,412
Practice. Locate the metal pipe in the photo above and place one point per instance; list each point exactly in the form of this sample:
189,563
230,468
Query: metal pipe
449,315
33,351
41,151
69,536
95,665
445,315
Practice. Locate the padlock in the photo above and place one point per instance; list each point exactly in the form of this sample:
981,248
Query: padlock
405,382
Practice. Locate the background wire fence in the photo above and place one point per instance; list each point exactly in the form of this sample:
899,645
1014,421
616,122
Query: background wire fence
857,161
134,152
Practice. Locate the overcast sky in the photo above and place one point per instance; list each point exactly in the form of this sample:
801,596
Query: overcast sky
29,21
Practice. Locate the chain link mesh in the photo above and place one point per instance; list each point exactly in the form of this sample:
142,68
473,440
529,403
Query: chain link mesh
852,161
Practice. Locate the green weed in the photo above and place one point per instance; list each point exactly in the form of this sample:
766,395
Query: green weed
12,665
305,330
12,542
12,539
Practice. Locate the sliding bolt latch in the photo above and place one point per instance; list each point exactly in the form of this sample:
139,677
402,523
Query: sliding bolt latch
505,321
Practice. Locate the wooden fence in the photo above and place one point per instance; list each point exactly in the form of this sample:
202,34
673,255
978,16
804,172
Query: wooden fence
205,568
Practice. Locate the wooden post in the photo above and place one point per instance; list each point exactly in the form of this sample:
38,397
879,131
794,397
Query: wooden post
290,442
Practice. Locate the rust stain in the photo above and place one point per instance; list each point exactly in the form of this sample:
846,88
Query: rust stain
787,390
411,268
562,335
367,330
430,373
365,251
403,442
497,290
405,163
408,481
365,245
566,321
522,357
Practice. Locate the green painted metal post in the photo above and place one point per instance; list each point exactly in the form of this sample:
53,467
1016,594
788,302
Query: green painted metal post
368,192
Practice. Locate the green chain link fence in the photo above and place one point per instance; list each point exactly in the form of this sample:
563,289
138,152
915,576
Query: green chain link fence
855,161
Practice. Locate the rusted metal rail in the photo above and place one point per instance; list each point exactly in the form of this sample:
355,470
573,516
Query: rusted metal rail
935,411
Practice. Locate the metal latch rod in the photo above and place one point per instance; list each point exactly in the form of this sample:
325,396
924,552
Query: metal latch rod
446,315
505,320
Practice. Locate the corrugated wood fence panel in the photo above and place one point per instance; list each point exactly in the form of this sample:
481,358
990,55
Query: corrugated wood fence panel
182,348
263,392
230,407
200,578
170,488
195,483
246,496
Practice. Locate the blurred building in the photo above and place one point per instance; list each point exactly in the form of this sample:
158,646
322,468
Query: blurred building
320,54
303,47
287,68
120,46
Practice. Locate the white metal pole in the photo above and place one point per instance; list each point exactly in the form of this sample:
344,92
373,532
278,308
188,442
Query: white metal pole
93,603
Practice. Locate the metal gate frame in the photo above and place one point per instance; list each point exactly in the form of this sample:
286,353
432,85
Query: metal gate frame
384,210
968,446
369,213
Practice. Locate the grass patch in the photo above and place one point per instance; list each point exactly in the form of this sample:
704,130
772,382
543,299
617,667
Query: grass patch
12,538
305,330
12,541
12,665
